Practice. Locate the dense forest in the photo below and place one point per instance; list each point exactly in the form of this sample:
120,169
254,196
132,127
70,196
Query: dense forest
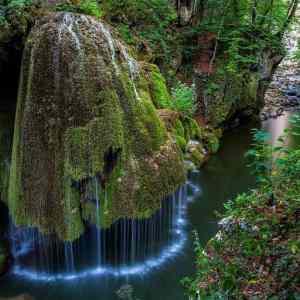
149,149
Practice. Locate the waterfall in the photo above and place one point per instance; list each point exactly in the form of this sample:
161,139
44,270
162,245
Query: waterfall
133,68
98,225
83,50
68,24
128,247
111,45
69,257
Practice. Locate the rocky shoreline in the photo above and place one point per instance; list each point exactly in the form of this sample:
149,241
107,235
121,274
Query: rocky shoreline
283,94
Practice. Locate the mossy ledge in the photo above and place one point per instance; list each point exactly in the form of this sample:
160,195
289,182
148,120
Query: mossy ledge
86,129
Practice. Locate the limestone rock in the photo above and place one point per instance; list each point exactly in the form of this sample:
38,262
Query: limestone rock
86,131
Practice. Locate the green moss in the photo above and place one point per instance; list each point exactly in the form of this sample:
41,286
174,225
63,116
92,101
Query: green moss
6,136
181,142
234,95
197,157
160,94
94,136
212,142
178,128
85,147
191,129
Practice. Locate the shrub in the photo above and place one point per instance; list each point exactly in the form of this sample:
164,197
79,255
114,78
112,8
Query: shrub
87,7
183,99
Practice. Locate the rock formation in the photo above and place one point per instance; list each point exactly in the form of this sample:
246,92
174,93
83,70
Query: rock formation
86,132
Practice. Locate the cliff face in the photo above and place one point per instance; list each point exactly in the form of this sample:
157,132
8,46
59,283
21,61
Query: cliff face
224,97
86,132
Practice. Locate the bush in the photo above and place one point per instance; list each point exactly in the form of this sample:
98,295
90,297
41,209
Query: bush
145,22
87,7
183,99
15,7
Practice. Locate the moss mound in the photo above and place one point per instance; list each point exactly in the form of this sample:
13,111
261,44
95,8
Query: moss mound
86,131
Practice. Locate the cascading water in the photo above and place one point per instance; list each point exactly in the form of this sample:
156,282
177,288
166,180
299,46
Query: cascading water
128,247
133,68
69,240
98,230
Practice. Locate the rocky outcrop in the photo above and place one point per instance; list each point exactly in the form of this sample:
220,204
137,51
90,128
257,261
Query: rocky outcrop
196,142
284,91
86,132
224,97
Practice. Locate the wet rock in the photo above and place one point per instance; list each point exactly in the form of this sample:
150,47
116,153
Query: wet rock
189,165
284,90
196,153
230,224
292,91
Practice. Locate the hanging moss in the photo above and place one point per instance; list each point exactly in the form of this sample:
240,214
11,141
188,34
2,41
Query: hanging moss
161,96
86,132
197,157
6,133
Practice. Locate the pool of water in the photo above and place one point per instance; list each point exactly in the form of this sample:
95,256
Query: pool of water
221,179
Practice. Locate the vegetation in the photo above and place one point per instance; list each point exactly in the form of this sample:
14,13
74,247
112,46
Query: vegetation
88,7
14,11
256,255
183,99
144,20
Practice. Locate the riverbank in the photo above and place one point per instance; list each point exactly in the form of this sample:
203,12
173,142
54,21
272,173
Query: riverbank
256,254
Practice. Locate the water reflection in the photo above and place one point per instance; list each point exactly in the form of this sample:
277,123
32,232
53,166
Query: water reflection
276,127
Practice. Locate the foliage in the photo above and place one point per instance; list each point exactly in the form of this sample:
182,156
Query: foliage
88,7
258,156
145,24
183,99
256,255
13,7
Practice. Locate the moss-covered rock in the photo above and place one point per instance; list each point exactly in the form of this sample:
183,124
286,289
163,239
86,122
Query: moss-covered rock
196,142
196,153
225,96
6,135
86,131
158,88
